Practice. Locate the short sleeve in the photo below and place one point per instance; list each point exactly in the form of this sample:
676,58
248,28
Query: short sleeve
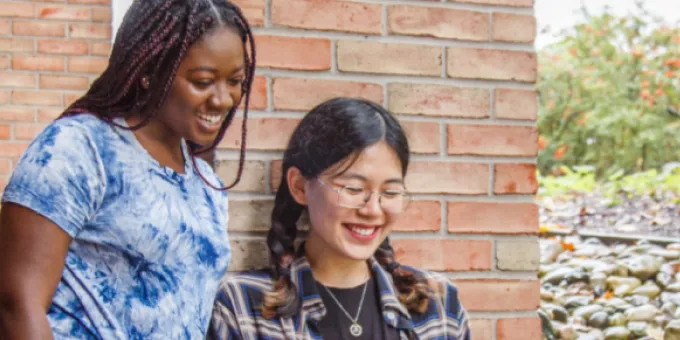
60,176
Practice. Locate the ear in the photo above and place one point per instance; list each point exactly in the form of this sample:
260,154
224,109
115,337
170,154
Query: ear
297,185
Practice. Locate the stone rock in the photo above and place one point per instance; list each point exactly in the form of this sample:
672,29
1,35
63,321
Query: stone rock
664,279
574,302
673,246
673,298
668,308
649,290
598,279
616,333
617,281
621,270
558,275
673,287
665,254
638,328
638,300
672,331
617,319
556,312
641,313
599,320
566,332
586,311
644,266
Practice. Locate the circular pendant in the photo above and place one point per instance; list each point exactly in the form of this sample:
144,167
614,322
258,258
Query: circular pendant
355,329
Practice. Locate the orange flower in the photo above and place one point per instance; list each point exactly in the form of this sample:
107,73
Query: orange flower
659,92
645,84
582,120
573,51
669,74
542,142
637,53
619,62
559,153
567,246
608,295
651,101
644,94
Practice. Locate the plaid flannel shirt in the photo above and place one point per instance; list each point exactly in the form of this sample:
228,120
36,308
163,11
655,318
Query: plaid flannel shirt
236,314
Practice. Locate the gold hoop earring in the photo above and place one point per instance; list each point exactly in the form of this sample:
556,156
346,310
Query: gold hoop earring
146,82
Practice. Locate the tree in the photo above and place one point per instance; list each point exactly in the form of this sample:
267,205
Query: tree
609,96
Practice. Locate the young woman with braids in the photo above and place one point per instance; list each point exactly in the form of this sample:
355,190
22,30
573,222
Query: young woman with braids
111,228
344,170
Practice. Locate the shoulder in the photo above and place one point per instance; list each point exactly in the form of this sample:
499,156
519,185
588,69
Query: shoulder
244,291
445,292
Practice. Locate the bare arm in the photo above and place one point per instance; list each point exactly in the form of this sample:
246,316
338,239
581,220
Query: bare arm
33,255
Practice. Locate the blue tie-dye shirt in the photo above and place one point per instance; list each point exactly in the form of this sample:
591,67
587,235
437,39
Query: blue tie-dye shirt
149,244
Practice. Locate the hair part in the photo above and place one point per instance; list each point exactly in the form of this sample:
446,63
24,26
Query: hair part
335,131
154,38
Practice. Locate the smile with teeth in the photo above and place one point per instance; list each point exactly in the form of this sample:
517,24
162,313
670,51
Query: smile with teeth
210,118
362,230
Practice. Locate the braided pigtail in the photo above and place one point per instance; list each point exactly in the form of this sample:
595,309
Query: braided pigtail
414,291
283,300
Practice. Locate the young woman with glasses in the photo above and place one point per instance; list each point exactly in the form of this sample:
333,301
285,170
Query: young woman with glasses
344,168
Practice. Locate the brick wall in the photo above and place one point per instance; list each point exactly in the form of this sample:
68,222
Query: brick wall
459,74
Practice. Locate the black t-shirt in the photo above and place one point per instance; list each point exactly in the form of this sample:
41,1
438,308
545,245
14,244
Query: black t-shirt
336,325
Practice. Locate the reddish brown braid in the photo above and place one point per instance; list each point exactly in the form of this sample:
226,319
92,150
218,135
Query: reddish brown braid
154,38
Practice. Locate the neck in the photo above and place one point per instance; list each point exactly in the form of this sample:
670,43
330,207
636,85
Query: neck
332,269
159,142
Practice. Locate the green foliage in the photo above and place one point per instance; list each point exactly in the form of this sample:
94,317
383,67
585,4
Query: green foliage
581,180
609,96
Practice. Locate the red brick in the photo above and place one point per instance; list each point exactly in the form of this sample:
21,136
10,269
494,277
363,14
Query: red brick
17,114
12,149
482,328
515,179
304,94
48,114
392,58
3,184
38,28
16,45
263,133
250,215
62,82
69,47
444,255
5,131
17,80
16,9
102,15
275,175
498,295
293,53
69,13
420,216
492,218
423,137
258,95
253,11
94,65
91,2
4,97
332,15
448,178
37,98
4,62
71,97
472,63
5,166
101,48
507,329
38,63
439,100
516,104
514,27
90,31
492,140
439,22
4,27
27,131
253,178
509,3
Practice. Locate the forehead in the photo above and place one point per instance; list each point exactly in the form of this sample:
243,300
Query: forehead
378,162
220,49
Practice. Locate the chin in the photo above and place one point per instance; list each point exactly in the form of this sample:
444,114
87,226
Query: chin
359,253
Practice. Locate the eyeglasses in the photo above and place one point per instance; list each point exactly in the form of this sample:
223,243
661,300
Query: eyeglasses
391,201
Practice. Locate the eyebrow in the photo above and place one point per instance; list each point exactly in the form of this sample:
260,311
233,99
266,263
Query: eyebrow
214,70
351,175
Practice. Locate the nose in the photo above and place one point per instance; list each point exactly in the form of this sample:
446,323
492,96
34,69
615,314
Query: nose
221,99
372,207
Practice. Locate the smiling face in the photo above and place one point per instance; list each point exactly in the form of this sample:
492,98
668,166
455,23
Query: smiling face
353,233
207,86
